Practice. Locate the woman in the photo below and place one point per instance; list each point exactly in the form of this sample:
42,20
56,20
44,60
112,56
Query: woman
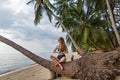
60,49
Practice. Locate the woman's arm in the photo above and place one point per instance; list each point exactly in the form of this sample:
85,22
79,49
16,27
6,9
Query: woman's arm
54,51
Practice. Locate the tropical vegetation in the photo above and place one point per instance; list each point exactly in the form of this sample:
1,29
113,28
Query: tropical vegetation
86,21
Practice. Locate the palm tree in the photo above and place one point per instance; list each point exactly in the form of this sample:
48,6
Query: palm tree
113,22
46,5
86,26
101,66
62,10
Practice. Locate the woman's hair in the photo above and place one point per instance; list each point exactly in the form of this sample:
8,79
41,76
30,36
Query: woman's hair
63,45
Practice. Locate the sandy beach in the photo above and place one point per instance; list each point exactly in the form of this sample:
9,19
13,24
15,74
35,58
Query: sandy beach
35,72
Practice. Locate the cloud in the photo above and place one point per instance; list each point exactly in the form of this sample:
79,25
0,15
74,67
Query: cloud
16,23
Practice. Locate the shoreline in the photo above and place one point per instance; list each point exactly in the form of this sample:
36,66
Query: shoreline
33,72
19,69
34,64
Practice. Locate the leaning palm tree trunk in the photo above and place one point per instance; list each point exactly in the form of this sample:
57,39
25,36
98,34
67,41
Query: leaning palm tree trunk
70,72
113,22
92,66
75,45
26,52
80,51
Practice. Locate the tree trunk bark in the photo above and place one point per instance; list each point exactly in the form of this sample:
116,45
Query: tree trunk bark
68,71
92,66
113,22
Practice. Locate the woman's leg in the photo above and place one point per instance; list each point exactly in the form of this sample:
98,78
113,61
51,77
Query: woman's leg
54,59
63,59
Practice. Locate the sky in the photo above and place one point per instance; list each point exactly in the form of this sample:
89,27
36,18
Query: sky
17,24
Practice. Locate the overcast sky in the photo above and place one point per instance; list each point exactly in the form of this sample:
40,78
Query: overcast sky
17,24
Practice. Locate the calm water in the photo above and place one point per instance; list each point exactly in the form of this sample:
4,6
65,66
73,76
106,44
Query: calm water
14,61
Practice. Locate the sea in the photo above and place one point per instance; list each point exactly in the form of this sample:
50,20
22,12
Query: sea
14,61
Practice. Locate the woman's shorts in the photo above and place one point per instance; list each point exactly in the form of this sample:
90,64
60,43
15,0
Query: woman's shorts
60,56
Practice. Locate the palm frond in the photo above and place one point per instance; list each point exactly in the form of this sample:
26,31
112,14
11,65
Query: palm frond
31,1
38,14
57,24
50,5
79,5
49,12
100,5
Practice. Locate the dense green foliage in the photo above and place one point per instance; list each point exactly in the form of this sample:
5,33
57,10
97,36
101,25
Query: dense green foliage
87,21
